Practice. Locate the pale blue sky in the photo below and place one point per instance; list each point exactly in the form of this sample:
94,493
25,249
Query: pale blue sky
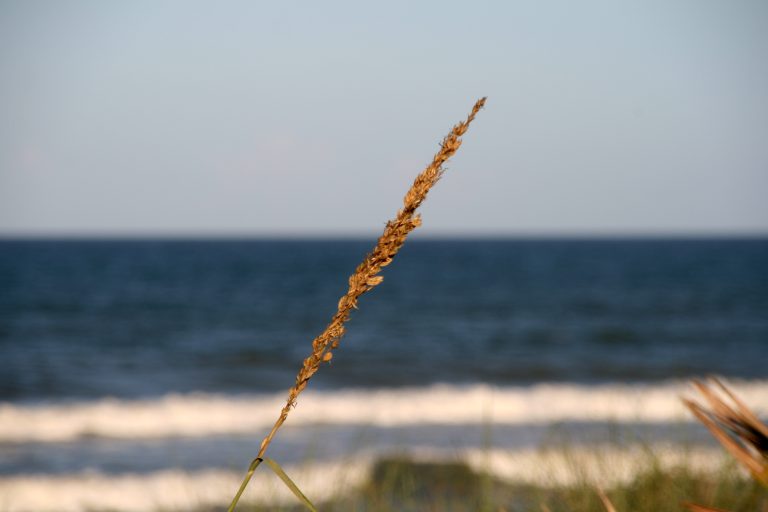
311,118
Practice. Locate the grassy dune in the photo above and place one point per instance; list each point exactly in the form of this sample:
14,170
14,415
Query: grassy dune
405,485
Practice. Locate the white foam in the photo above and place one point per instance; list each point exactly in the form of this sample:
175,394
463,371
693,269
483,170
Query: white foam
197,415
178,490
172,489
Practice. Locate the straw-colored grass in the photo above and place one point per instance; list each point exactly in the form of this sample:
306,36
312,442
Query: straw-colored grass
699,508
366,277
734,425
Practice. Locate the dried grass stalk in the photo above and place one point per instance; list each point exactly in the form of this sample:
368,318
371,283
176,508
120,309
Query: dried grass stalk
366,276
606,502
734,425
700,508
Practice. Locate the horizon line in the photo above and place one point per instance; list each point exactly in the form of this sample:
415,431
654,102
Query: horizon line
330,235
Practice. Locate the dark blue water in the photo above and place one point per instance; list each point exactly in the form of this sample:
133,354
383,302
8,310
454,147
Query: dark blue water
84,319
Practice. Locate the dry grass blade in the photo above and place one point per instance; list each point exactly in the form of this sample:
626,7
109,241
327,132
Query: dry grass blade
700,508
366,275
734,425
606,502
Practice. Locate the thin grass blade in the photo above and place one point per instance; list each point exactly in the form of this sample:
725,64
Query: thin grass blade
254,464
606,502
288,482
701,508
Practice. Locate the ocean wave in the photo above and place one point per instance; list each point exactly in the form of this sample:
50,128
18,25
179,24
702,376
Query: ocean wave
171,489
200,415
175,489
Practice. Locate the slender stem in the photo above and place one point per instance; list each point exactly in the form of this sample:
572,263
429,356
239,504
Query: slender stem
366,277
243,485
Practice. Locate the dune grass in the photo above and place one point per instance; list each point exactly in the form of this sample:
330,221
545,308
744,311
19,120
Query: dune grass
365,278
734,425
404,485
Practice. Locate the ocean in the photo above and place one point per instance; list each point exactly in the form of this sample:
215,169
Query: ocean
153,368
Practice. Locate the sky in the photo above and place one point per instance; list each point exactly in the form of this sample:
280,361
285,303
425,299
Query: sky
245,118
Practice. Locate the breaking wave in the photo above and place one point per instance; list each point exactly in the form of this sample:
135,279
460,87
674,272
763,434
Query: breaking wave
175,489
200,415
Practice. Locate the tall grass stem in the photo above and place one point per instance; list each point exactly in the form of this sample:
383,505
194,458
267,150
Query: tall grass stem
366,277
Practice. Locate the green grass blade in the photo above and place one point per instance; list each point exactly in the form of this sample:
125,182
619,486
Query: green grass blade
292,486
243,485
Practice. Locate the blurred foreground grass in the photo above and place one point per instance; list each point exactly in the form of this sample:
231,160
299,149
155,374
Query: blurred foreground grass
404,485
